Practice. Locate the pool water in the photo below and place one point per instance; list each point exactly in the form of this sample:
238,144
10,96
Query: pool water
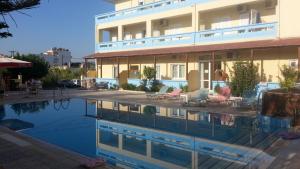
149,136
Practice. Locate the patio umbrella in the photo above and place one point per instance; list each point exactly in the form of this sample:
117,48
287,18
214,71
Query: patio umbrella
13,63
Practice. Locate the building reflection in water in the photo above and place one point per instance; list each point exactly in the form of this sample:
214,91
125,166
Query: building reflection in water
145,136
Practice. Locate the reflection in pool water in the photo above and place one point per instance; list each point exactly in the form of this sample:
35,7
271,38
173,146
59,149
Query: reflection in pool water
146,136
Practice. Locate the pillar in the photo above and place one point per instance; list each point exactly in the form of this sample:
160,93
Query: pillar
96,66
252,56
120,142
299,60
118,67
101,70
195,20
212,68
148,28
85,67
154,65
120,32
148,148
186,67
128,68
194,159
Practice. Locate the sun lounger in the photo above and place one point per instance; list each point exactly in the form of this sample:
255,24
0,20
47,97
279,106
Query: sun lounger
160,93
175,94
197,98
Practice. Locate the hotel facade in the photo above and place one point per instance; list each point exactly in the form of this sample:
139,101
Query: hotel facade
189,41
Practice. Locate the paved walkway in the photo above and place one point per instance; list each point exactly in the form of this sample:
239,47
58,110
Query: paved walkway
18,151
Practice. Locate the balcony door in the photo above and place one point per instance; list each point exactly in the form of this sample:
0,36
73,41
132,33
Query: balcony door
205,71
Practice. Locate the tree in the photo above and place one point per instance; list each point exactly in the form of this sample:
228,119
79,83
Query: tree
38,70
245,77
290,76
8,6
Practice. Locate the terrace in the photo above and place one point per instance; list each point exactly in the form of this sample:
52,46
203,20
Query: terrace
240,33
156,7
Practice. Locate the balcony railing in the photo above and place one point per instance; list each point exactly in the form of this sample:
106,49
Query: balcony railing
146,9
257,31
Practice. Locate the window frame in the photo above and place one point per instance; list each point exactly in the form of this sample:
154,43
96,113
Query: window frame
178,65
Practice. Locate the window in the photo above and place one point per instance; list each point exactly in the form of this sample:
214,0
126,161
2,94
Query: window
178,71
293,63
180,113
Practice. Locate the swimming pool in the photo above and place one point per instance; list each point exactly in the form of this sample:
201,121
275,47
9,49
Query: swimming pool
148,136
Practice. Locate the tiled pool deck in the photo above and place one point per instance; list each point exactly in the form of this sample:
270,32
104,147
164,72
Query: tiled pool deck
18,151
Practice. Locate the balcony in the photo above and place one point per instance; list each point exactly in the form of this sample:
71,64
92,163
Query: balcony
257,31
146,9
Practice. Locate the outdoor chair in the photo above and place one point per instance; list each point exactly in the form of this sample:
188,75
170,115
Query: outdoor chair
175,94
160,93
197,98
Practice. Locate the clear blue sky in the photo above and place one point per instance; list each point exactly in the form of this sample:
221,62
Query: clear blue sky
56,23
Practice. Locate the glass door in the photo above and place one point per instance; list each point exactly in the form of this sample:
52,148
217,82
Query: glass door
204,70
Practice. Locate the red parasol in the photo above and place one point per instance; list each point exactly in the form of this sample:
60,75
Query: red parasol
13,63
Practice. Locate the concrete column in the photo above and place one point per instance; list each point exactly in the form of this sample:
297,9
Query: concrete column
212,69
278,17
194,160
186,67
128,68
96,66
299,61
148,28
101,70
120,142
85,67
149,149
195,19
120,32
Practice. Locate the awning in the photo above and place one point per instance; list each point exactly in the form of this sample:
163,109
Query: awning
261,44
13,63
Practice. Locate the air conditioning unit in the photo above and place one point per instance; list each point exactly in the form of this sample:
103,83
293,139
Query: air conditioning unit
270,4
242,8
163,22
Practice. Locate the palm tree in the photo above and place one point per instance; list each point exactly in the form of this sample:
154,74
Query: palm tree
8,6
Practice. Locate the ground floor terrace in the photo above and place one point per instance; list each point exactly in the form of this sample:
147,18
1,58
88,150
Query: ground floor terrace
197,66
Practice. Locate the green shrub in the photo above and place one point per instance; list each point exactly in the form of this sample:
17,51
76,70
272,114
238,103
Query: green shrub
155,85
149,73
170,89
290,76
217,89
149,110
143,86
245,77
56,74
184,88
128,86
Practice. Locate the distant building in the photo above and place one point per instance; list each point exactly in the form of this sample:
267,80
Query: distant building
57,57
